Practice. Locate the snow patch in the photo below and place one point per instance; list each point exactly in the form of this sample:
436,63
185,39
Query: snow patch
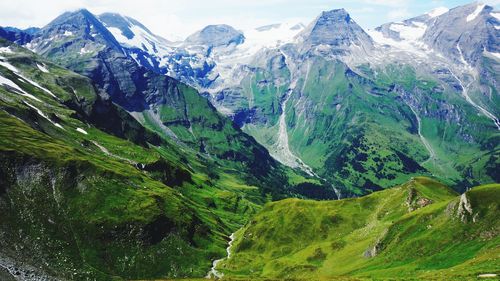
269,37
487,275
409,32
42,68
135,57
415,47
38,86
495,55
5,50
84,51
68,33
81,131
9,66
437,12
44,115
496,15
476,13
8,82
117,33
18,73
150,61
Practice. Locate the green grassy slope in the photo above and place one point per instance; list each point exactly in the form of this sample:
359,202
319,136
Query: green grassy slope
82,199
418,230
76,204
358,128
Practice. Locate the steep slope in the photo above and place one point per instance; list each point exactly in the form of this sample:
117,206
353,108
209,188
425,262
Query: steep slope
472,34
79,203
331,101
164,105
142,45
338,104
475,49
420,230
333,33
466,38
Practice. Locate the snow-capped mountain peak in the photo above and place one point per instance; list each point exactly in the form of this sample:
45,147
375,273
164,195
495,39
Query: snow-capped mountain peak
336,33
477,11
132,34
437,12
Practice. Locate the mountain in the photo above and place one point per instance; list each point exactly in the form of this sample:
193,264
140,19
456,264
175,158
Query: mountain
208,58
334,29
420,230
215,36
107,170
465,38
318,97
120,160
162,104
334,100
80,203
477,33
333,104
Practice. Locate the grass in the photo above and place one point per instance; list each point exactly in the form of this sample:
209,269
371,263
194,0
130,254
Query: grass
356,129
104,205
305,239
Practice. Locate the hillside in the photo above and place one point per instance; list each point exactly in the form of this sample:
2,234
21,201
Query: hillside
285,152
88,192
421,229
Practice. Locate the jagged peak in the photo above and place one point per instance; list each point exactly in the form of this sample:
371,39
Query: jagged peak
118,19
78,25
436,12
335,28
336,13
72,15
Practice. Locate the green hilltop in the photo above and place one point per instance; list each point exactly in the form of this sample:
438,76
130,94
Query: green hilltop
419,230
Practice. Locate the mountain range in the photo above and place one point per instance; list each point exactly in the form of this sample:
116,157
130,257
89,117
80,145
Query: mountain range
421,95
129,156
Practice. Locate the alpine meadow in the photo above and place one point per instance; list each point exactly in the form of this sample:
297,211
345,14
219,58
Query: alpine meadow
268,144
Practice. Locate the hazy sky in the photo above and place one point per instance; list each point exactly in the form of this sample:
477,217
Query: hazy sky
182,17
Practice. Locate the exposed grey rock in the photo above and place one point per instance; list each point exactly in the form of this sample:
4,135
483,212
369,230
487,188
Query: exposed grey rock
458,34
336,30
464,210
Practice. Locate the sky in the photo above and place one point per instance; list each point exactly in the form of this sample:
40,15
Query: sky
176,19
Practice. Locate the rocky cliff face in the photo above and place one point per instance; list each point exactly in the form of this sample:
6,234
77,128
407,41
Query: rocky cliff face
334,31
464,33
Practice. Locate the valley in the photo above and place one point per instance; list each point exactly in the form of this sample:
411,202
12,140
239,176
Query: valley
289,151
